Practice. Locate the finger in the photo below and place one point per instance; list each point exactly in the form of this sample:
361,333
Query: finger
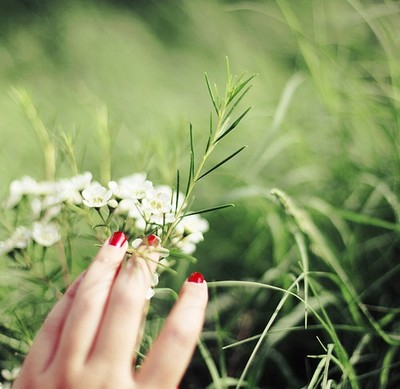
86,312
47,339
171,353
123,317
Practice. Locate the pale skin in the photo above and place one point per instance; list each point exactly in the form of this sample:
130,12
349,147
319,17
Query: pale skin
89,338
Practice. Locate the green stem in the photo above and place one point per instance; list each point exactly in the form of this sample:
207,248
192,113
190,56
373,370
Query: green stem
197,174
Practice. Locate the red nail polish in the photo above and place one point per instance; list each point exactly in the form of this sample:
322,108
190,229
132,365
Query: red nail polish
153,240
118,239
196,277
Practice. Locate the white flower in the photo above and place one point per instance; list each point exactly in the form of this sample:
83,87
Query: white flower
18,240
165,218
46,234
10,375
96,196
129,207
58,191
186,246
20,187
36,207
189,232
155,278
51,213
6,247
194,223
149,293
132,187
69,189
65,193
64,190
52,199
171,193
156,203
136,243
113,203
44,188
49,204
21,237
81,181
140,224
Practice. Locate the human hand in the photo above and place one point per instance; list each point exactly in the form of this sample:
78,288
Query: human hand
88,340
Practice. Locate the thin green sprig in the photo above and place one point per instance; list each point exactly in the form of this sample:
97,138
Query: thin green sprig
236,89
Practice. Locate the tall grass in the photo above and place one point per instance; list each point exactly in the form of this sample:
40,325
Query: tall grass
303,271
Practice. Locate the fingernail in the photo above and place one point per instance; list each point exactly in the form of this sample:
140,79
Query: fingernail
118,239
153,240
196,277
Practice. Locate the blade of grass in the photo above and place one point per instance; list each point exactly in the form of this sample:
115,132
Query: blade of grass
212,368
386,365
42,132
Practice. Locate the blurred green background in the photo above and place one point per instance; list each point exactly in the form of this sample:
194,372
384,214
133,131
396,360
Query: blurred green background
324,128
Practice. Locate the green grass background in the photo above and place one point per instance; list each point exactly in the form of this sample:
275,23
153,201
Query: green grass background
324,129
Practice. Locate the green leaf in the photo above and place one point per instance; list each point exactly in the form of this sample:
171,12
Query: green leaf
239,88
238,101
177,190
368,220
210,133
99,225
191,149
209,209
222,162
211,94
233,125
178,254
191,164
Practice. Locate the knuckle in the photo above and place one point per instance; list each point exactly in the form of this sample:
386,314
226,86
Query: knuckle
103,261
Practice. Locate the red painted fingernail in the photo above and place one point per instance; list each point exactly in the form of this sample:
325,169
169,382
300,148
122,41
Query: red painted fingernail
153,240
118,239
196,277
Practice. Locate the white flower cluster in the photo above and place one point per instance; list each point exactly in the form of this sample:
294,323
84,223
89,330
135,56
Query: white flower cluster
132,201
147,247
10,376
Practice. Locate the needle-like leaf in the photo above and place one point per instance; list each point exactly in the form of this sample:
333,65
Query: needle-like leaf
191,163
222,162
233,125
211,94
210,133
237,90
209,209
238,100
177,190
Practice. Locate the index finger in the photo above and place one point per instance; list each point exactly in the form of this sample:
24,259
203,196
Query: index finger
86,313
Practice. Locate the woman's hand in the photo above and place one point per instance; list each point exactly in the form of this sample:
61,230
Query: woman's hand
88,340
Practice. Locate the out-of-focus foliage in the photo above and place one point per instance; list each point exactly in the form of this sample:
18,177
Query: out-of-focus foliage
324,129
